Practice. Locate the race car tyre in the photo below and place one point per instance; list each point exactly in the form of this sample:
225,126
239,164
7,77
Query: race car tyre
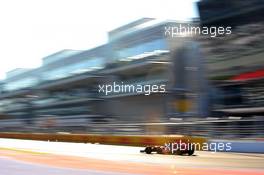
148,150
190,152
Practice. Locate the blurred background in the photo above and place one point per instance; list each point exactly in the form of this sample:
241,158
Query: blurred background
214,86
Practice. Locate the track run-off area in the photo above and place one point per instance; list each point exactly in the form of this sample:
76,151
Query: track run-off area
26,157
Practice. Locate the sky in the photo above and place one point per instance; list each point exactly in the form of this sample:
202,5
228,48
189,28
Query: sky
33,29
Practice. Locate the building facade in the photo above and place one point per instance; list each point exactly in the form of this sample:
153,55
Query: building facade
63,94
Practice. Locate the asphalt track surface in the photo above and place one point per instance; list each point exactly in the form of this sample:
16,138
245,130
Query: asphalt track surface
23,157
14,167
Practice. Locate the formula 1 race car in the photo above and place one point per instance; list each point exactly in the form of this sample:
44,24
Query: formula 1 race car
166,150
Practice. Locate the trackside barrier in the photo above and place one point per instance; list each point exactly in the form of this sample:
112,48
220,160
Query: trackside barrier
129,140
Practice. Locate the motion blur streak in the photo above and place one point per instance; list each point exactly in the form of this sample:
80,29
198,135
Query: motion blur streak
213,90
117,159
33,169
